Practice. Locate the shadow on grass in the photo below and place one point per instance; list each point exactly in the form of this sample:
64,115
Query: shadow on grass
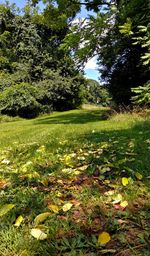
75,118
132,144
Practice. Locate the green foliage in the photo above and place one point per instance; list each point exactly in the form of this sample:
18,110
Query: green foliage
126,28
144,40
36,75
95,93
59,92
142,94
118,59
20,100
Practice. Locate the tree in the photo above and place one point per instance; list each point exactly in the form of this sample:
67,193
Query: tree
31,58
95,93
143,92
119,60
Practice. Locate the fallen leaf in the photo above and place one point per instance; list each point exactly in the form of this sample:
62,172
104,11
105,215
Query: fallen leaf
38,234
4,184
83,168
54,208
117,199
6,208
124,204
109,193
103,238
18,221
66,207
5,161
41,217
125,181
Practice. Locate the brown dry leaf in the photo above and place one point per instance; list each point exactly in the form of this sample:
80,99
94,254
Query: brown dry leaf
75,202
4,184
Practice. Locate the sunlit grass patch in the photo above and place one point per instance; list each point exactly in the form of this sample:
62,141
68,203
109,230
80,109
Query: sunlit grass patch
80,176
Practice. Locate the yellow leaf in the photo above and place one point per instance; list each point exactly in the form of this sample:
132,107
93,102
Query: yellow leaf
18,221
124,204
24,253
66,207
59,194
6,208
41,217
138,176
125,181
68,160
38,234
53,207
117,199
103,238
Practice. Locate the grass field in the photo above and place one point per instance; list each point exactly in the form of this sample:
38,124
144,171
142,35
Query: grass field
88,172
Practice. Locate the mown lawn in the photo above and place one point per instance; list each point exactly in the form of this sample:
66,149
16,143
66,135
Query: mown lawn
87,173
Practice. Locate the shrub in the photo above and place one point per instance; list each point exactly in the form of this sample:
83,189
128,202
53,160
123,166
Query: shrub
20,100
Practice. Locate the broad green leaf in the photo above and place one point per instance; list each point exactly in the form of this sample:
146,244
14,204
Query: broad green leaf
125,181
41,217
38,234
6,208
103,238
18,221
66,207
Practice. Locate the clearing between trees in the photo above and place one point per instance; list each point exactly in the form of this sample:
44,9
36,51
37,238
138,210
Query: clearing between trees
75,183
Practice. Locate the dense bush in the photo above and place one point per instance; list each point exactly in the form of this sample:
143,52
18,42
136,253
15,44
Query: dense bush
20,100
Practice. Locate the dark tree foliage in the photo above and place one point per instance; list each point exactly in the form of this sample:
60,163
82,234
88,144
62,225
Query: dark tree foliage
121,60
30,58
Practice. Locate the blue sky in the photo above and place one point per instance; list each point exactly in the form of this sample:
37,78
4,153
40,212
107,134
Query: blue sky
91,67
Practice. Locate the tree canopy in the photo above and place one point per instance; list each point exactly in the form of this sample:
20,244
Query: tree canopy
99,34
35,74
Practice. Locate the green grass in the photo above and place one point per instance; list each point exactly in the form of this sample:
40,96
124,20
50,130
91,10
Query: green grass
77,157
